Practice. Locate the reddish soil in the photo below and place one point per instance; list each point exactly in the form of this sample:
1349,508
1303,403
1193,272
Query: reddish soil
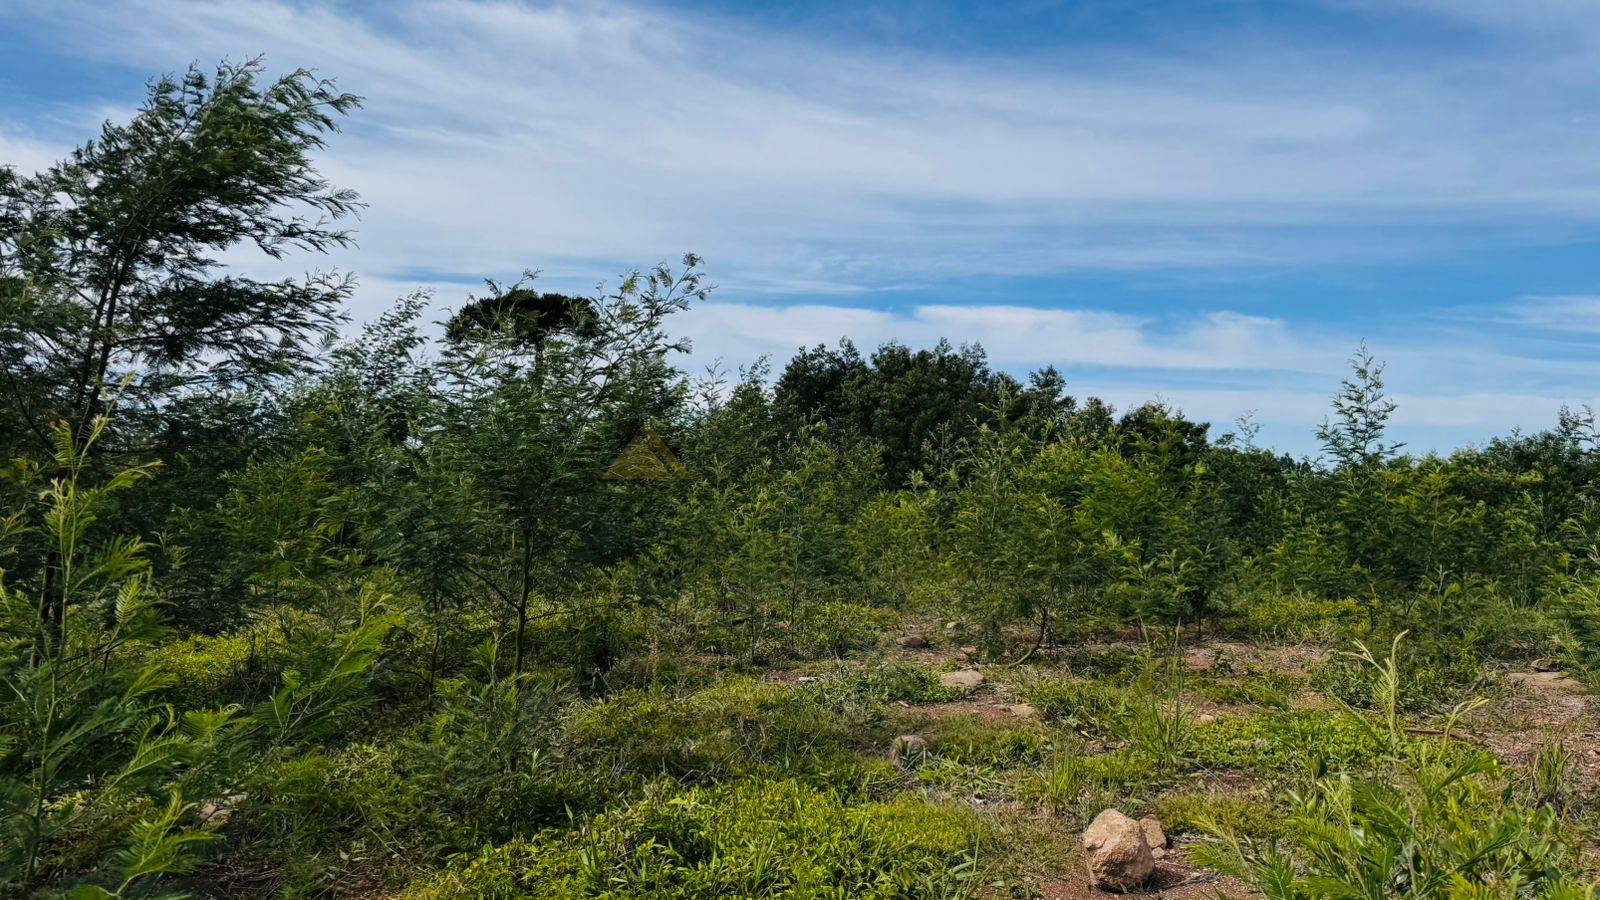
1174,878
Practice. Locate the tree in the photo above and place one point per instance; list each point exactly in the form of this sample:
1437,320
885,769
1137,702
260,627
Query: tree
522,314
1355,436
522,434
110,260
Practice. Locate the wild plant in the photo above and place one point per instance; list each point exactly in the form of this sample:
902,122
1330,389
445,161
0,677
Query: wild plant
1431,821
86,737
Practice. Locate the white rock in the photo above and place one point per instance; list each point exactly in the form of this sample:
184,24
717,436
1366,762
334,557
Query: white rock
1115,850
964,678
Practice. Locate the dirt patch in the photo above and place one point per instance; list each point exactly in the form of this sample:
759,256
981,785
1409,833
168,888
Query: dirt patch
1538,708
1547,698
1289,659
1174,877
989,710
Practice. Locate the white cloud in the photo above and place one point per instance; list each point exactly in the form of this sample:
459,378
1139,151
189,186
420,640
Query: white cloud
499,135
1015,336
25,154
1568,313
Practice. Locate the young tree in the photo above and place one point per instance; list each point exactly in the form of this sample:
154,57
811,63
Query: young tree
523,433
85,735
1355,436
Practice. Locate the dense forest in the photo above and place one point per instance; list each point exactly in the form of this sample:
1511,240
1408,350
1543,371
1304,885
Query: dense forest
509,605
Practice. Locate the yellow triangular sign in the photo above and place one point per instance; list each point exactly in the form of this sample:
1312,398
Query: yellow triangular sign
646,456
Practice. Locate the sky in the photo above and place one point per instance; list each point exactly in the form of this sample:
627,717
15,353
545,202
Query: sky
1207,202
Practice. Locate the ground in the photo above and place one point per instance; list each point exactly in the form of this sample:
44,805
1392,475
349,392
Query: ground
1529,708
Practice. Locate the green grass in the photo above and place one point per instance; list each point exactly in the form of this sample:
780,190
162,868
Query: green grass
756,838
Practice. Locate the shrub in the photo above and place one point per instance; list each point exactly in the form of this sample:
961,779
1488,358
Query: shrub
1254,688
757,838
1091,706
895,682
1427,819
1283,741
711,734
972,740
834,629
1299,617
1197,812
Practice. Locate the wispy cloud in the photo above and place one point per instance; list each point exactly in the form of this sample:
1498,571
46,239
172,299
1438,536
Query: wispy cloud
1018,336
1563,313
498,134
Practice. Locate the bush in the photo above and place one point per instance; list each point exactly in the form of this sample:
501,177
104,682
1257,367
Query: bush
1299,617
834,629
895,682
972,740
1092,706
1283,741
712,734
1425,819
1200,812
754,839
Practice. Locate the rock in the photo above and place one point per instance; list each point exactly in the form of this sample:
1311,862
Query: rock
1023,711
1116,853
951,626
1204,718
217,812
807,679
1153,835
913,642
1544,665
969,652
964,678
908,747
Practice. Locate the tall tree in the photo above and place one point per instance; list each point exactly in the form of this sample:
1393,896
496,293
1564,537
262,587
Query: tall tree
110,260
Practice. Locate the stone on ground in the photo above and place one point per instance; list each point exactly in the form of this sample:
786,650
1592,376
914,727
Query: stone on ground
1023,711
913,642
217,812
964,678
1154,836
1115,850
907,747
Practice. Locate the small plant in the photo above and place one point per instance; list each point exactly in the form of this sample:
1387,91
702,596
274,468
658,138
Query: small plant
1094,707
1428,822
1551,776
1064,780
85,736
1160,723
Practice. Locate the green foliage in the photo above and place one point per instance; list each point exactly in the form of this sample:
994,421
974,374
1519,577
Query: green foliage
708,735
1298,617
86,739
1423,820
972,740
893,682
119,248
1096,707
1197,812
754,839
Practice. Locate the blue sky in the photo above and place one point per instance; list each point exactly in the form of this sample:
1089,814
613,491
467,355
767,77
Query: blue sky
1209,201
